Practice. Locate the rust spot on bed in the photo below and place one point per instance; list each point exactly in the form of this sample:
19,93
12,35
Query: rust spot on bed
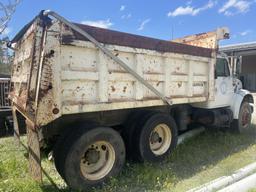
113,88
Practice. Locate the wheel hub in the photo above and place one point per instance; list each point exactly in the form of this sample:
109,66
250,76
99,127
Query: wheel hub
245,117
155,138
92,156
160,139
97,160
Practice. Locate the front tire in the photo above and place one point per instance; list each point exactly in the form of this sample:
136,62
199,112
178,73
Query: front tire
91,157
243,123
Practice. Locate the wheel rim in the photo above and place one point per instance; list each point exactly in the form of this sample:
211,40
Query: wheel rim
160,139
246,117
98,160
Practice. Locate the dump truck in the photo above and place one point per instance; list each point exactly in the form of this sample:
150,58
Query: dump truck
97,96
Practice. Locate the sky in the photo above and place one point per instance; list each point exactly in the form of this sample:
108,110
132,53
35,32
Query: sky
162,19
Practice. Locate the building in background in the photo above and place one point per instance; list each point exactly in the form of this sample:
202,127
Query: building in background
247,52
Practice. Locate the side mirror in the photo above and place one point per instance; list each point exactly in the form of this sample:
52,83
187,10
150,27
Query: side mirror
236,68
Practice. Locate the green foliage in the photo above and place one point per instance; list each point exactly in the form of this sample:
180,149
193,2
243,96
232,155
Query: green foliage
5,57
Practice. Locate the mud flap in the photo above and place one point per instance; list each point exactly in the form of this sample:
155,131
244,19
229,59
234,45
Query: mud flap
35,168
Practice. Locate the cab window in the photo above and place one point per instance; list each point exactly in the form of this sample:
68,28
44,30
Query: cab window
222,69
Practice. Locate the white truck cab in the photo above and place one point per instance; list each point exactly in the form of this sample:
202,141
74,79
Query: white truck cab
229,93
230,105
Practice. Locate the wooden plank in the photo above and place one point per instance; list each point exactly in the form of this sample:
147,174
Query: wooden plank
15,127
34,152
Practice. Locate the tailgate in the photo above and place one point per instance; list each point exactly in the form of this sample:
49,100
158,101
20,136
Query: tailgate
28,46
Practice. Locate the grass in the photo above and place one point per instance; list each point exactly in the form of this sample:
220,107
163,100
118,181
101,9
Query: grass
197,161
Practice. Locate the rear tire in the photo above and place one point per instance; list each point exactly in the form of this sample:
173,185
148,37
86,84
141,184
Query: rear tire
130,127
91,156
61,141
155,137
57,150
243,123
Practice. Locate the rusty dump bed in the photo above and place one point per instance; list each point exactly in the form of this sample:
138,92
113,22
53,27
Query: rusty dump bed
107,36
57,71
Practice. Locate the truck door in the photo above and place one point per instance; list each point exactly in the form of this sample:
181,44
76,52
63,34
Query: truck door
223,83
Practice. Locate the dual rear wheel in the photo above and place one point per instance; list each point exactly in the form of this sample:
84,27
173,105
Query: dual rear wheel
151,136
88,156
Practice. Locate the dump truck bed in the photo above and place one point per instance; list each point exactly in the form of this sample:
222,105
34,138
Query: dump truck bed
58,72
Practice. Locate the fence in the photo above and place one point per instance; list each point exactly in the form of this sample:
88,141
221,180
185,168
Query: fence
4,91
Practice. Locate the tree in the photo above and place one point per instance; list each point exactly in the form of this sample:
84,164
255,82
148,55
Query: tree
5,57
7,8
